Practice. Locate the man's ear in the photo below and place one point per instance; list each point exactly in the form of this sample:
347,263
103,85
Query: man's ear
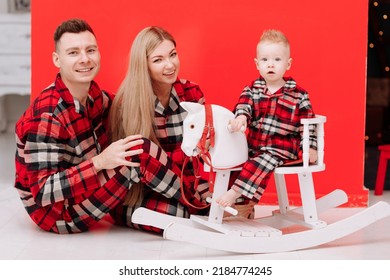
56,59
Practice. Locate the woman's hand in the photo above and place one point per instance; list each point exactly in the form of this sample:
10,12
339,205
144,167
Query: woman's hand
118,153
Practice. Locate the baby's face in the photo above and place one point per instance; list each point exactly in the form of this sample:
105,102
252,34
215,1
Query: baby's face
273,60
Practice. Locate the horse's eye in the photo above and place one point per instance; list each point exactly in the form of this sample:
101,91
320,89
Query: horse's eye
192,126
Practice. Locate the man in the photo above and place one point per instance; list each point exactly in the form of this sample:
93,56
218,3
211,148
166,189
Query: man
67,175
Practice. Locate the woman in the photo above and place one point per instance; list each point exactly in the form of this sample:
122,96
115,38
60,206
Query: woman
147,103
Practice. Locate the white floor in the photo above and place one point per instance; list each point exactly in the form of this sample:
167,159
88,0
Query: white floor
20,239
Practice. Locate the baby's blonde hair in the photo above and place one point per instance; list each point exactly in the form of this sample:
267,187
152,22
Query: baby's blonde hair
274,36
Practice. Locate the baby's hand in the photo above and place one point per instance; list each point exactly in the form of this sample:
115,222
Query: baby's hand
313,156
238,124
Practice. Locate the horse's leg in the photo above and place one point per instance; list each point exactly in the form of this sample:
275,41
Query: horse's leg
220,187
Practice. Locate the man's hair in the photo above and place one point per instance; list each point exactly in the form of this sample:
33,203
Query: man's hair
72,26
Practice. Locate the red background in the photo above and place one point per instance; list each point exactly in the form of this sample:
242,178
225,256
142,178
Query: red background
216,44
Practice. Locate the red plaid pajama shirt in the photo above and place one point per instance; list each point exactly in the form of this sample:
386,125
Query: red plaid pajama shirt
169,123
55,177
274,132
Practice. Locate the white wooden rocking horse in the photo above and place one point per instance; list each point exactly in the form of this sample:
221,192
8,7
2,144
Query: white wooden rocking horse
266,234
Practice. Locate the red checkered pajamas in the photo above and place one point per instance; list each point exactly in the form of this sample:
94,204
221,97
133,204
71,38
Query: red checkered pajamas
255,174
169,123
274,132
162,192
57,182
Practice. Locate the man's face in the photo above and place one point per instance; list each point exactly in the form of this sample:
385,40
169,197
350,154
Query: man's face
77,57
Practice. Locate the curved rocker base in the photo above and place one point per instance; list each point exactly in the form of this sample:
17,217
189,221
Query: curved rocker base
278,243
264,235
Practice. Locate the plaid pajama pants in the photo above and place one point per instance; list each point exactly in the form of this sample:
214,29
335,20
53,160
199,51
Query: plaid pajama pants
161,177
255,174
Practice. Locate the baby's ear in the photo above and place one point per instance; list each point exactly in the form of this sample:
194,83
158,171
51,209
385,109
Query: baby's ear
256,63
290,60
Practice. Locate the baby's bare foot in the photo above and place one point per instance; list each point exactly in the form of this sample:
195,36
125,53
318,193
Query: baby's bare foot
229,198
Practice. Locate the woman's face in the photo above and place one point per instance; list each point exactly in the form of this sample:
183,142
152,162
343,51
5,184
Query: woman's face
164,64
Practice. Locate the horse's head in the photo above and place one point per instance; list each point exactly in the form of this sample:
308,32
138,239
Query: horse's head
193,126
226,149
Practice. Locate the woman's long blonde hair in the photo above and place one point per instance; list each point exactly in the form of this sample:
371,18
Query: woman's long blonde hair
133,107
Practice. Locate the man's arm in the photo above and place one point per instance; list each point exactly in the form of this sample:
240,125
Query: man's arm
57,170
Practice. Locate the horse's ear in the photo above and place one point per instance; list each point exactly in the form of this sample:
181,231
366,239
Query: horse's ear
191,107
